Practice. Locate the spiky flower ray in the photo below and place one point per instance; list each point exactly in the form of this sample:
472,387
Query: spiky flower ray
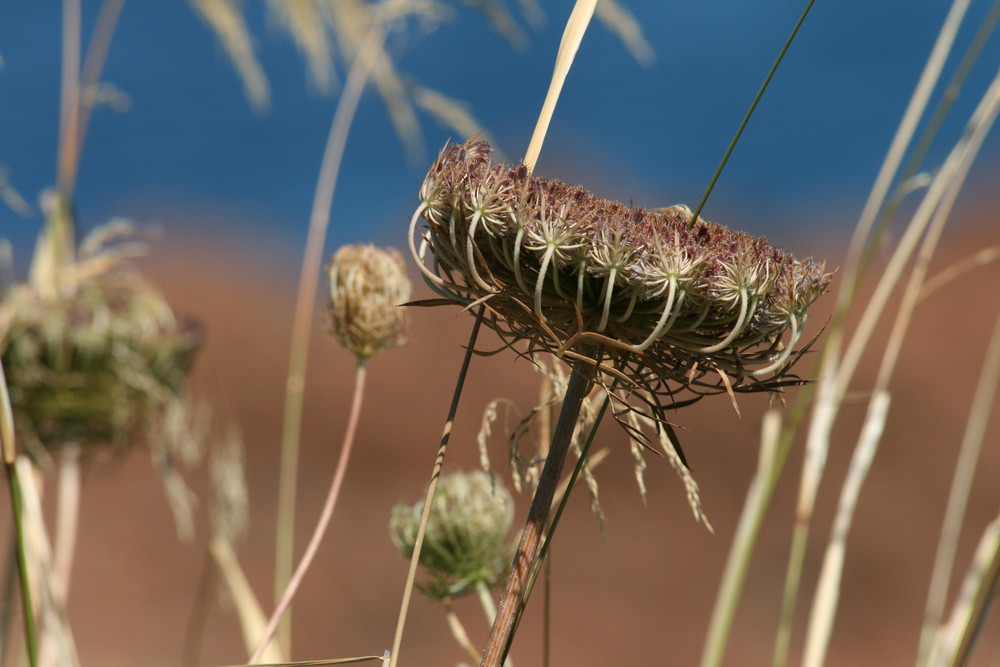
679,309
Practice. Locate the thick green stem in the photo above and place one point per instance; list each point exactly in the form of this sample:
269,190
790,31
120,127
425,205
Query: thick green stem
526,556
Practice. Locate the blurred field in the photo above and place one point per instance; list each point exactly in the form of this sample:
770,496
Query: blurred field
642,595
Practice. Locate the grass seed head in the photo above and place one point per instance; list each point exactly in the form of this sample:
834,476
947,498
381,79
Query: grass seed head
367,285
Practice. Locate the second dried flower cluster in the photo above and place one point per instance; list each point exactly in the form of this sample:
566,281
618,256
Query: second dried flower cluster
689,301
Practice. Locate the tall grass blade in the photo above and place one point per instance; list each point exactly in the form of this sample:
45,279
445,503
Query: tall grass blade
306,301
749,113
968,457
9,452
411,575
576,26
754,509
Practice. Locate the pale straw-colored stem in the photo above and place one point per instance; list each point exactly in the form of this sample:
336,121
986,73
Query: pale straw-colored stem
961,485
930,216
69,104
828,588
324,519
56,644
77,116
248,609
486,602
526,556
751,518
9,452
458,631
411,575
576,26
955,640
305,303
67,517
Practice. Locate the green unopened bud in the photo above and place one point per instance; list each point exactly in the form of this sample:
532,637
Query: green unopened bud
367,286
465,540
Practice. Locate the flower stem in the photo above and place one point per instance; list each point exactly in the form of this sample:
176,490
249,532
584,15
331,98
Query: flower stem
16,503
67,516
411,575
526,556
305,302
325,516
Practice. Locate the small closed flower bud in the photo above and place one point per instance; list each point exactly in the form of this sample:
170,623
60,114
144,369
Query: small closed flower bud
367,286
465,540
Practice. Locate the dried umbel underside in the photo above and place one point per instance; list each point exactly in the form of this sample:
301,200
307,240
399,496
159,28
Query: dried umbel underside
367,286
99,362
670,303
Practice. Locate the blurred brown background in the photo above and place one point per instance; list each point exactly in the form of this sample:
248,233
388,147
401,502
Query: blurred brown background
641,595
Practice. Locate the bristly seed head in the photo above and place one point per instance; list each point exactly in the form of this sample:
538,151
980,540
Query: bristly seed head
667,300
466,536
367,286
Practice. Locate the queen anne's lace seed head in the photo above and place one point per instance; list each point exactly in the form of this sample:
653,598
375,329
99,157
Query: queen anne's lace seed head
466,535
367,286
101,361
672,303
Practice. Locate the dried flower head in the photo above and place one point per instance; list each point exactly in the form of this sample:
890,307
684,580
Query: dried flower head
671,303
465,540
97,362
367,285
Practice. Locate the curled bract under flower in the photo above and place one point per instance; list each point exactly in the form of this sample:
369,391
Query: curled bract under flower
367,286
670,302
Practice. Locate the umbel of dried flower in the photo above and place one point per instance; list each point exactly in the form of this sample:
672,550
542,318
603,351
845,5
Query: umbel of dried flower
95,363
465,540
672,303
367,286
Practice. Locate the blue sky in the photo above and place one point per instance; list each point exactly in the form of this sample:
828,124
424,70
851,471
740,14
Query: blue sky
192,148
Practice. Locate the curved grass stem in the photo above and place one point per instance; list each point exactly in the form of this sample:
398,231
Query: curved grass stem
324,520
418,544
304,305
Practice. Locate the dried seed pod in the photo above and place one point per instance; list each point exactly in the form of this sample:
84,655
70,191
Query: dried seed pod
98,363
670,302
465,539
367,285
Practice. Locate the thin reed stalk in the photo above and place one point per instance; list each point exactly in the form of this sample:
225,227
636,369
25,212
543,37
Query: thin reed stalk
931,215
572,36
979,589
754,508
305,303
958,497
9,453
411,575
526,556
458,630
67,517
324,519
85,92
